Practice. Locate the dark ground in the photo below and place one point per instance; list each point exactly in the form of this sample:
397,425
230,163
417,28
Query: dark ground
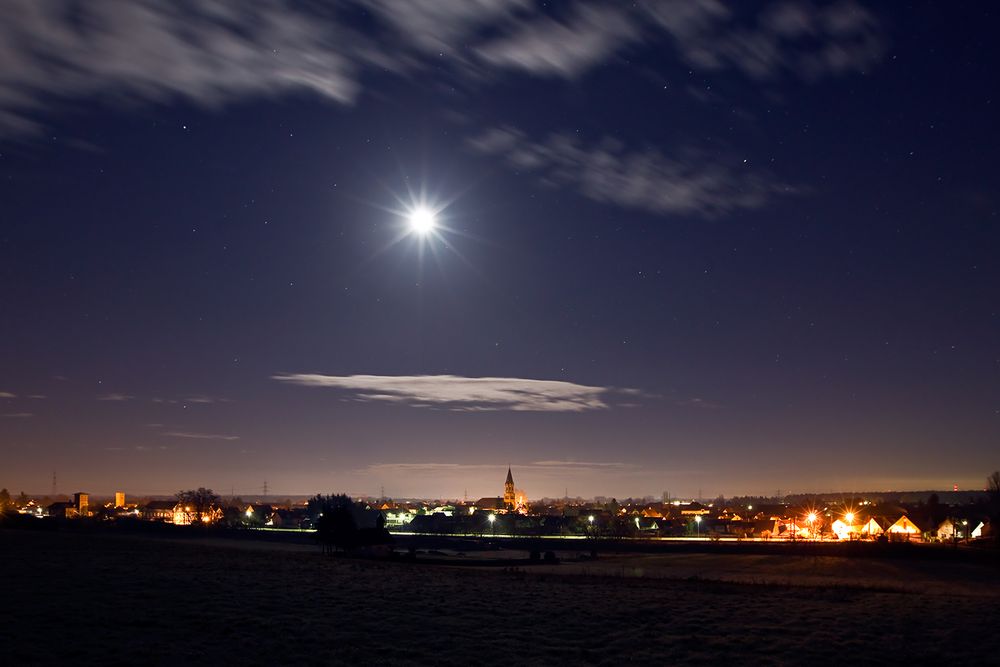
82,598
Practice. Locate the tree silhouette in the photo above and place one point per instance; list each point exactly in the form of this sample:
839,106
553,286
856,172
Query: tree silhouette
993,489
200,501
334,521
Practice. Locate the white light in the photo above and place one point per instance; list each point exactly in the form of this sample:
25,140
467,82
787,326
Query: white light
492,518
422,220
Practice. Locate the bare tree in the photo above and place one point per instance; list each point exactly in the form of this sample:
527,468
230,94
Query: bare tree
993,489
200,501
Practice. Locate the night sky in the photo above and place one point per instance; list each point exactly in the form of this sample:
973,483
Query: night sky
680,246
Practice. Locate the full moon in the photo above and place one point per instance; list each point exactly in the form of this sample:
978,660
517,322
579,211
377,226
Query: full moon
422,221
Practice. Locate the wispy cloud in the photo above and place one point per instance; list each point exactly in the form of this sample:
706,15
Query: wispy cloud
206,399
210,53
579,464
115,397
199,436
7,394
431,467
220,52
197,399
465,394
801,39
18,415
563,47
535,466
687,183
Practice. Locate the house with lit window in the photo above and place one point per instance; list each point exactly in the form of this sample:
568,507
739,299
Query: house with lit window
903,529
159,510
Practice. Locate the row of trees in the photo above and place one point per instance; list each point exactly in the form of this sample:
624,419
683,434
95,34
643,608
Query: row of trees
8,504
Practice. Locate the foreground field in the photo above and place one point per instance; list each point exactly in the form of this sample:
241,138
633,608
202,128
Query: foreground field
87,599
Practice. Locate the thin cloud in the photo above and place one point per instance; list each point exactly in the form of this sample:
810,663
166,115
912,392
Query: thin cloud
217,53
115,397
199,436
579,464
7,394
430,467
547,46
197,399
463,394
209,53
546,466
783,39
687,183
206,399
18,415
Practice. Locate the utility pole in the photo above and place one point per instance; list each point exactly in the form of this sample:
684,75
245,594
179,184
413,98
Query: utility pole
265,488
55,488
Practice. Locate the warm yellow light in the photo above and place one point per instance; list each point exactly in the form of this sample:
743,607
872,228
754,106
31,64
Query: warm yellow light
590,518
849,517
812,517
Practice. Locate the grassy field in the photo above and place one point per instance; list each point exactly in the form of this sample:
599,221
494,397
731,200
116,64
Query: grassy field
94,598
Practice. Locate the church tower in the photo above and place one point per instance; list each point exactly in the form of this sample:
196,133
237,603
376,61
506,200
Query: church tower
509,499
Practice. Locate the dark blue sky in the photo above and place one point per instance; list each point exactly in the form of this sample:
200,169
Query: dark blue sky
681,246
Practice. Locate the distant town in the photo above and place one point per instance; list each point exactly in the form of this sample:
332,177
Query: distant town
929,516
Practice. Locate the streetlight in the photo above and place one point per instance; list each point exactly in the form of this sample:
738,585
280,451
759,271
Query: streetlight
493,523
812,524
697,524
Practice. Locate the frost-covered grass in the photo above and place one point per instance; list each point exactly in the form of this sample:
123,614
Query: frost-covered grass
90,598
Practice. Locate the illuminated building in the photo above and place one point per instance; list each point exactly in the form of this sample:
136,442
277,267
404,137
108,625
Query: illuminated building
159,510
904,528
509,498
119,499
82,503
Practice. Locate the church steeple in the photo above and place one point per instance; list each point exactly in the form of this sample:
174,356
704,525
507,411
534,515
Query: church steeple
509,499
